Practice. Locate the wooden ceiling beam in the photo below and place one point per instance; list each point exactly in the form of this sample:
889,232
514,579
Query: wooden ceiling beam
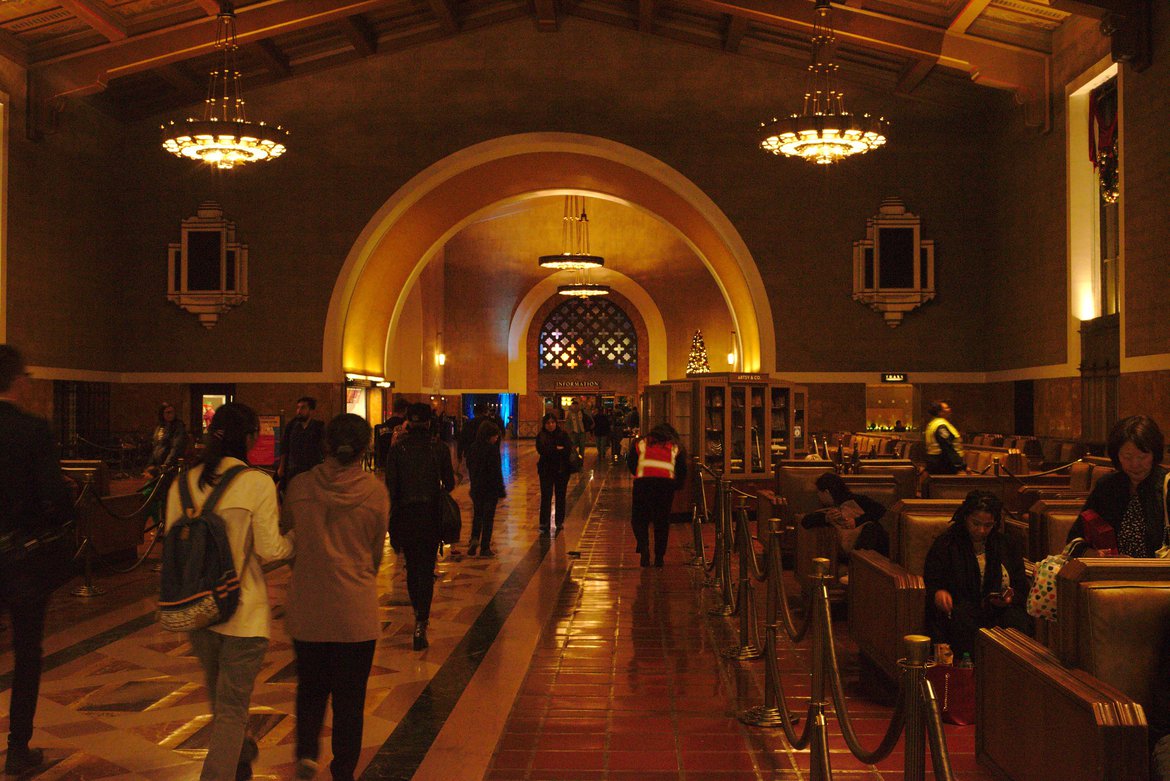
274,59
646,16
444,10
912,75
210,7
12,49
361,35
737,27
967,16
96,17
87,72
546,15
1025,72
180,78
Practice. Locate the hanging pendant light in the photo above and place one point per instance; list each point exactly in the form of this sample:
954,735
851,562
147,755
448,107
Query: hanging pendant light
575,254
823,132
224,137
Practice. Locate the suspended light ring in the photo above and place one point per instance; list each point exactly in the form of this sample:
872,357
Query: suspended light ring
224,144
583,290
823,138
571,261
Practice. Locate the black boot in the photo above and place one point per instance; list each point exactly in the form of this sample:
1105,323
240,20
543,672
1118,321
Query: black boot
22,760
420,635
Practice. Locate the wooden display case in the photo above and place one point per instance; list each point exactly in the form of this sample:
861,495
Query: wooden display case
736,424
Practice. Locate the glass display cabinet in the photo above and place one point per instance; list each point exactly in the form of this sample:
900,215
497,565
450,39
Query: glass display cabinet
739,425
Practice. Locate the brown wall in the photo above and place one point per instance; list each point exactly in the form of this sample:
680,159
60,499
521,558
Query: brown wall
1057,408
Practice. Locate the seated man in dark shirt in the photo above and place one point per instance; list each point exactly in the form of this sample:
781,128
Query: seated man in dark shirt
856,518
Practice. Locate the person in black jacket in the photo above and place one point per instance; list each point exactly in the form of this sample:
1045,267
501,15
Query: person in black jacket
1125,512
856,517
485,471
974,577
553,444
33,499
417,468
168,441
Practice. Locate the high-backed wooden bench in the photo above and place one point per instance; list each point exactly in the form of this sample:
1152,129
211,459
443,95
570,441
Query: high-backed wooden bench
1114,620
887,597
903,470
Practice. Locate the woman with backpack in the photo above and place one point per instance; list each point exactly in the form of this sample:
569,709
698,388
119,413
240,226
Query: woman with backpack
659,465
417,468
339,512
232,651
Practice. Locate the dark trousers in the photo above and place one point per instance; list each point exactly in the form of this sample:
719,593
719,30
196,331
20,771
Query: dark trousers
28,630
420,575
651,506
967,618
482,519
548,485
339,670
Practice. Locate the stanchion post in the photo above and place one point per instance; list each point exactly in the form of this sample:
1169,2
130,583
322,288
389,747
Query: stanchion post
914,669
749,640
768,714
87,589
724,545
697,516
819,768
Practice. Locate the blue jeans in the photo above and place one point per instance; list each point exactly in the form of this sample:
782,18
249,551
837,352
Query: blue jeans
230,666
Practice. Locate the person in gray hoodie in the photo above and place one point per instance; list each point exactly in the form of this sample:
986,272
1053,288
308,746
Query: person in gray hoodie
340,513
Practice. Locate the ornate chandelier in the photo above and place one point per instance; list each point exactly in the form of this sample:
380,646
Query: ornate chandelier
583,289
824,132
224,137
575,254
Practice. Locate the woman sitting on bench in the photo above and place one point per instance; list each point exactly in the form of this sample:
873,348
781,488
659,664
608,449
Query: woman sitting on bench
856,518
974,577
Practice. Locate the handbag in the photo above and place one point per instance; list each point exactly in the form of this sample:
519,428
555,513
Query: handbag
451,519
1164,551
1042,596
954,688
574,460
44,560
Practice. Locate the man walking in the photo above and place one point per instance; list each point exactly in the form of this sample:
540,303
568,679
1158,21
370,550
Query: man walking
33,499
300,446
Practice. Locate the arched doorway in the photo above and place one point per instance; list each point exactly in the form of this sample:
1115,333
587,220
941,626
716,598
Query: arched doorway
406,232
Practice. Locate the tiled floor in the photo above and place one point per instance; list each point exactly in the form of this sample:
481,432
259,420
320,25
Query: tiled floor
560,659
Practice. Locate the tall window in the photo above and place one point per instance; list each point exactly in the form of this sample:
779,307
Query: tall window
584,333
1104,130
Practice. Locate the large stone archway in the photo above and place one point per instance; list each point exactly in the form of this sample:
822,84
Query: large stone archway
405,233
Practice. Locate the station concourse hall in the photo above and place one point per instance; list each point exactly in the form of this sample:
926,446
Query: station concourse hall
920,244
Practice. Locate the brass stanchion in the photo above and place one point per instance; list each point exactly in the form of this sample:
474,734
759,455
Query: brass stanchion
723,545
917,650
87,589
749,640
819,768
698,515
769,714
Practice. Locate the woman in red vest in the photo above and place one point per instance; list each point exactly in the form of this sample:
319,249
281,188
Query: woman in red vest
659,465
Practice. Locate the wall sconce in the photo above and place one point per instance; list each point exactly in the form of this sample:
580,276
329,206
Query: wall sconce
440,356
731,352
442,359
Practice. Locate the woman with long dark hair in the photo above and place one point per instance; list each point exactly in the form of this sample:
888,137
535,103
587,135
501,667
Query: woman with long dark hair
168,442
339,512
659,465
974,576
231,652
552,443
1125,512
855,518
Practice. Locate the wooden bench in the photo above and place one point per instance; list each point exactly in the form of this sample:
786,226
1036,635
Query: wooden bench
1095,684
887,596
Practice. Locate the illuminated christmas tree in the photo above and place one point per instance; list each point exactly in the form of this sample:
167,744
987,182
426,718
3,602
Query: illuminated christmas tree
697,359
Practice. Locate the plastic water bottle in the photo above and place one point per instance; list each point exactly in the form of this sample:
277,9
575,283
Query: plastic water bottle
966,662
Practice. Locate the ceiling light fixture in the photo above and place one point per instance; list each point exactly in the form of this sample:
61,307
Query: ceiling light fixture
575,254
823,132
583,289
224,137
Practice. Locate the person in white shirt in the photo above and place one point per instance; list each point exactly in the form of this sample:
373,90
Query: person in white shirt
231,652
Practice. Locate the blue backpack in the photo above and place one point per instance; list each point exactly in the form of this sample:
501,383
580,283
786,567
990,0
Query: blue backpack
200,585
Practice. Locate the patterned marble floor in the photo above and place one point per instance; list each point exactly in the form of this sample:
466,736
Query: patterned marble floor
559,659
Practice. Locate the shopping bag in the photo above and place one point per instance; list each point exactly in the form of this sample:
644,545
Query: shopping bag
954,689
